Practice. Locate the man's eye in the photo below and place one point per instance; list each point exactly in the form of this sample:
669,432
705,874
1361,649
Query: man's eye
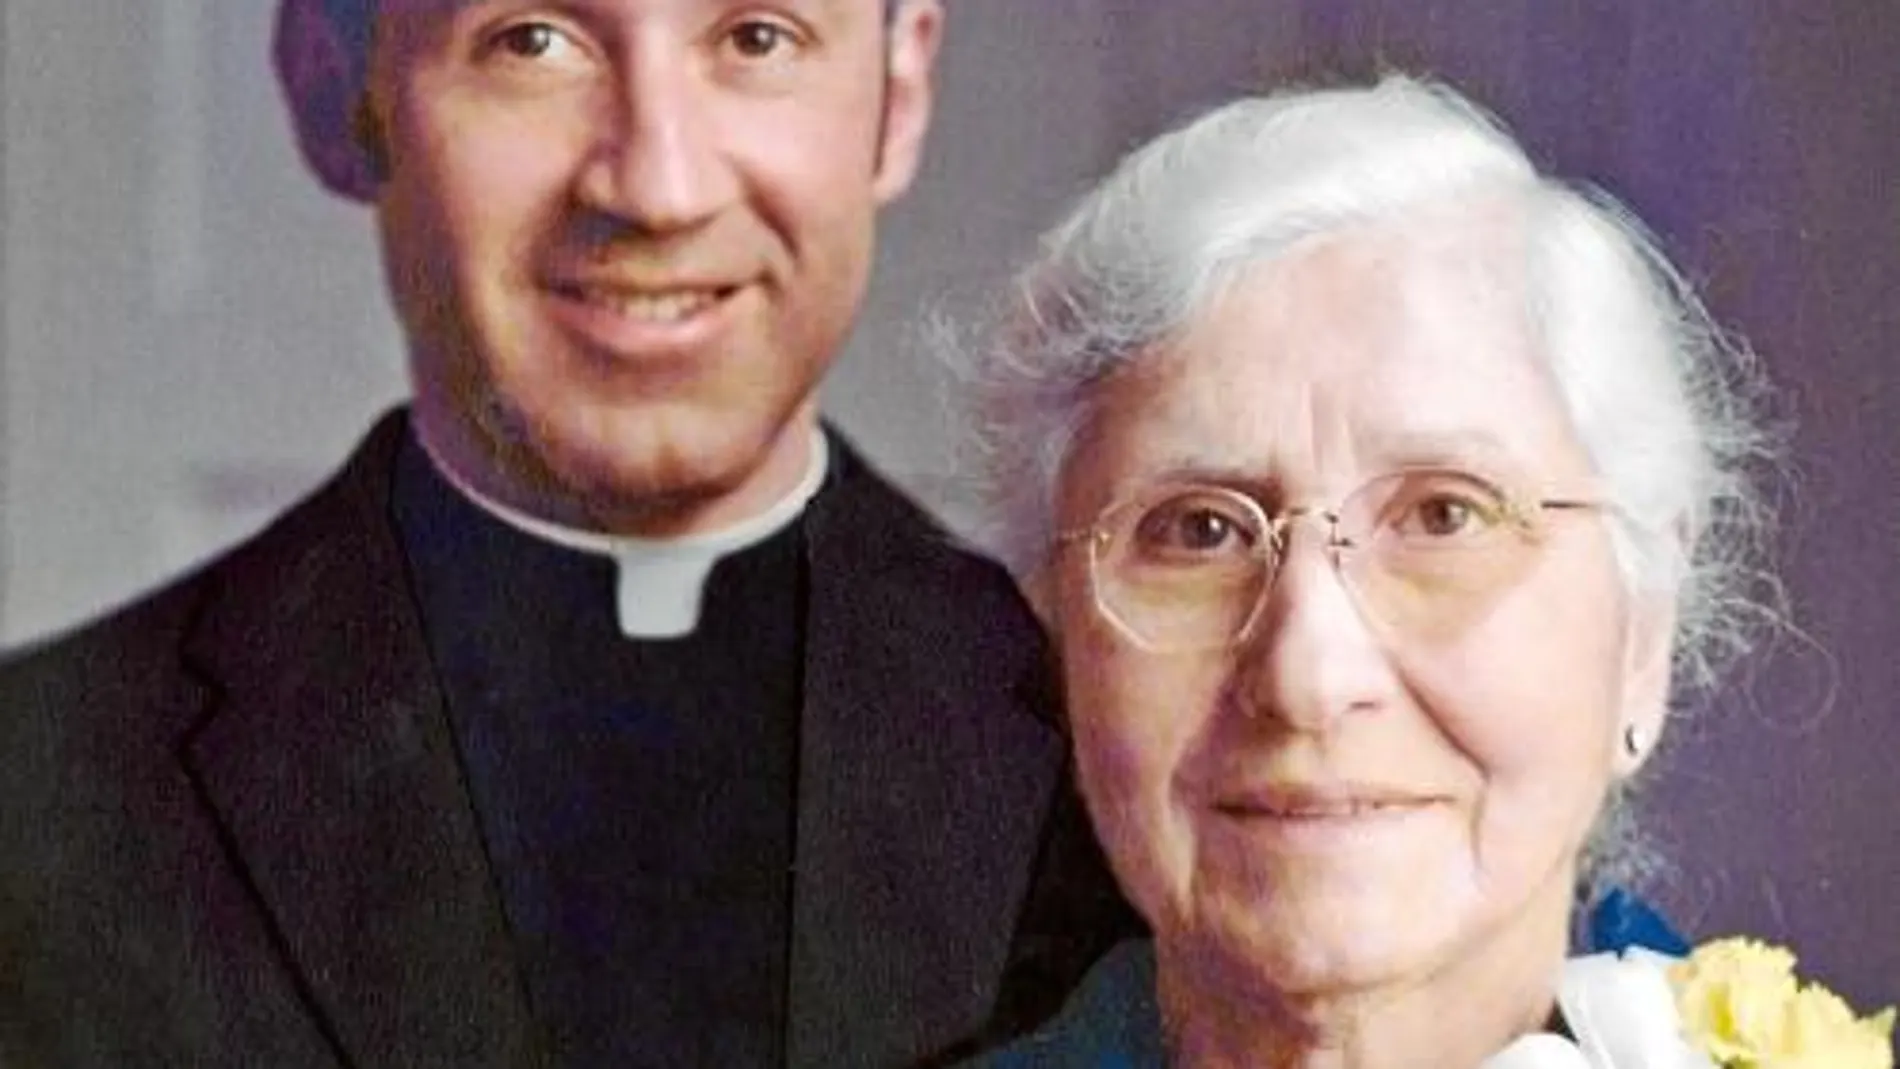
759,39
529,40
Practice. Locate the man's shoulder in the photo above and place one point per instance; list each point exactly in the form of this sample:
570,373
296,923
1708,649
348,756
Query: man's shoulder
892,586
930,584
119,909
872,514
131,648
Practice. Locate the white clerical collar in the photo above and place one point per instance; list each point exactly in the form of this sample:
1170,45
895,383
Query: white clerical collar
661,580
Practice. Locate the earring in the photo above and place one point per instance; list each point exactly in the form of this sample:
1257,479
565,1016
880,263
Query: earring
1633,741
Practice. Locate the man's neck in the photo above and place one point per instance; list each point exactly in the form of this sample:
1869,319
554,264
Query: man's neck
506,479
751,528
660,582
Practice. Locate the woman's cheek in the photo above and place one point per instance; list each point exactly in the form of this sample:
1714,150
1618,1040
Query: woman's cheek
1133,736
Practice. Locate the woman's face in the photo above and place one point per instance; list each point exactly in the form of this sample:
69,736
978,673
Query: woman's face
1347,800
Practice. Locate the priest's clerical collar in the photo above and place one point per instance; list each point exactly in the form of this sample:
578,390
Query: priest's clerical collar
661,580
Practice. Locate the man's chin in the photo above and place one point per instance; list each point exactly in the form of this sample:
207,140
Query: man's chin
664,484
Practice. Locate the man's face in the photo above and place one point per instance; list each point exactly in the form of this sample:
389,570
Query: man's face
626,237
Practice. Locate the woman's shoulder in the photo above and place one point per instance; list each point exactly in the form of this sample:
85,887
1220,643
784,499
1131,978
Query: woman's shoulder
1111,1021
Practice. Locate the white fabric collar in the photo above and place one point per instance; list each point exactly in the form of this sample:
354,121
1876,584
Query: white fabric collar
1623,1013
661,580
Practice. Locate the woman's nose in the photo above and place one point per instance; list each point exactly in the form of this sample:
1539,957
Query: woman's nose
1311,657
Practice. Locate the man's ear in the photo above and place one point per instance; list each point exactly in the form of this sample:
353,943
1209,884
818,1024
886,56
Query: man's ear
322,69
1649,648
909,72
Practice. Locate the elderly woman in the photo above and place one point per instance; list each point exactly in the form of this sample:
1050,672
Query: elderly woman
1374,487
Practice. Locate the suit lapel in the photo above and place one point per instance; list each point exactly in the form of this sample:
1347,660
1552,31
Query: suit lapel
332,768
923,780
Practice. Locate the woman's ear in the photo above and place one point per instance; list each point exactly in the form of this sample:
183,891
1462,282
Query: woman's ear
1648,656
1649,653
322,70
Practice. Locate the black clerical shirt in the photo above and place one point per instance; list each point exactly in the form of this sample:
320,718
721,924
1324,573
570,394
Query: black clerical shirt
636,797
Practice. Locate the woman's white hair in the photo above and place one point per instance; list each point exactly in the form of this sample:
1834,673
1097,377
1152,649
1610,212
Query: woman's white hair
1661,399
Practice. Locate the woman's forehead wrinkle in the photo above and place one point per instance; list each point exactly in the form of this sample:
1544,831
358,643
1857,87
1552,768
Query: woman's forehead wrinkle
1339,361
1456,445
1444,380
1454,359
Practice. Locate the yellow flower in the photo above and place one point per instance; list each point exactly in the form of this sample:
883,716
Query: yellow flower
1730,994
1822,1031
1740,1002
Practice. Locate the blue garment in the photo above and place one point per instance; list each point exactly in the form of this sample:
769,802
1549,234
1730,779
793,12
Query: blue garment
1111,1021
1621,920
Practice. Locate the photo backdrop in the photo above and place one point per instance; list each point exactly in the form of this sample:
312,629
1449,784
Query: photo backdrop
194,335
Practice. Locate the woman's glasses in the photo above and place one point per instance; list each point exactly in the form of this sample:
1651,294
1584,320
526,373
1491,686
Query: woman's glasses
1186,566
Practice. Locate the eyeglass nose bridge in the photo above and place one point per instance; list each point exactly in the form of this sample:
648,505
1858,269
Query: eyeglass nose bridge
1282,527
1279,530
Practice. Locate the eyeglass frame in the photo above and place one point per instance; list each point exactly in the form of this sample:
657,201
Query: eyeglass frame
1276,526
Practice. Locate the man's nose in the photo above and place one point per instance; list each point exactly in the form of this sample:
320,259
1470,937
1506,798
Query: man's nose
658,163
1312,657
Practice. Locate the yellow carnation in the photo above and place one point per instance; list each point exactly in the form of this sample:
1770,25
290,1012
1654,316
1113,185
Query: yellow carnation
1731,994
1822,1031
1740,1002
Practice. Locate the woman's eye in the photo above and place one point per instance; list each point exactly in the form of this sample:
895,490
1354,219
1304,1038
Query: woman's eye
1447,515
1444,516
1204,530
1194,529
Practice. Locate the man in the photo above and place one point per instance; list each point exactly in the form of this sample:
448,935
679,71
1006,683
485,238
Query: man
604,709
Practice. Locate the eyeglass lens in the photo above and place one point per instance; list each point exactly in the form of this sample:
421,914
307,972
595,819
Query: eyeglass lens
1426,553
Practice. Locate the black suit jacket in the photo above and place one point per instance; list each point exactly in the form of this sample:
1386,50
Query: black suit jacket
235,830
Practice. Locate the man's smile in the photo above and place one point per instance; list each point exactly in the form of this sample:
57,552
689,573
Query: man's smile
667,304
